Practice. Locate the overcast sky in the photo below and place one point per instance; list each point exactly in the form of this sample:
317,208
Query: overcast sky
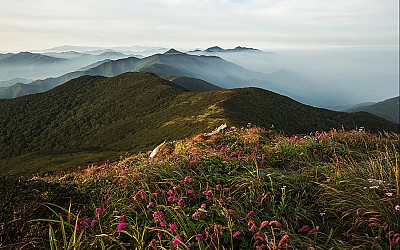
185,24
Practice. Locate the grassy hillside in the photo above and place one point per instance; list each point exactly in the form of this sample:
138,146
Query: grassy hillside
89,118
388,109
193,84
246,189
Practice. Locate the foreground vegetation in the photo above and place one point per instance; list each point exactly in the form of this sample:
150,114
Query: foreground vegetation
245,189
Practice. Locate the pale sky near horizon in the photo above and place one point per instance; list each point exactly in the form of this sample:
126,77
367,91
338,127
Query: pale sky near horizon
186,24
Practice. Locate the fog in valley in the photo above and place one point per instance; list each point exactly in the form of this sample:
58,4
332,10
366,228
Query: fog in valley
326,76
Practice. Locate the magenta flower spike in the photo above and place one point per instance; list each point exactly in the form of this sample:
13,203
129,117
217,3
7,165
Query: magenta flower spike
172,227
236,234
122,225
150,205
93,223
98,211
275,223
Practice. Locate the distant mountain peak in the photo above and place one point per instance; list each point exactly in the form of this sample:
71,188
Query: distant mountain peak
236,49
214,49
239,48
173,51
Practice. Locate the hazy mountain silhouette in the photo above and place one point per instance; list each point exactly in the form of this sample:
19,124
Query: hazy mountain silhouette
217,49
171,63
388,109
38,66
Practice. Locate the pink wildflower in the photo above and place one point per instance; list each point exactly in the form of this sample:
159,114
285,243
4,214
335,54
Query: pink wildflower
170,192
305,228
78,228
172,227
188,179
236,234
150,205
260,247
396,239
282,240
259,237
275,223
98,211
196,214
177,241
122,224
181,202
263,224
158,215
170,198
190,191
312,231
252,225
249,214
153,244
203,206
199,236
163,224
93,223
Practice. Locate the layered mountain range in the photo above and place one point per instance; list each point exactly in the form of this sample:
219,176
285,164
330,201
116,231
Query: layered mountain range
171,63
28,65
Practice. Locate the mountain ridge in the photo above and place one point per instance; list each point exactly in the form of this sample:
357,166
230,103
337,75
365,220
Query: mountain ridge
388,109
91,117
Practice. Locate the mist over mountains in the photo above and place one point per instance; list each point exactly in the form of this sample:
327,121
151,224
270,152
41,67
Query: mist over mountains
326,76
29,65
321,78
318,77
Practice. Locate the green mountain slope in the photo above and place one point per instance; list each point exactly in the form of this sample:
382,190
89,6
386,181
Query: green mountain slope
193,84
388,109
92,118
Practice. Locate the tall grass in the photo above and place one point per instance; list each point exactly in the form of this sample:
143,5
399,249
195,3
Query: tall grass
245,189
